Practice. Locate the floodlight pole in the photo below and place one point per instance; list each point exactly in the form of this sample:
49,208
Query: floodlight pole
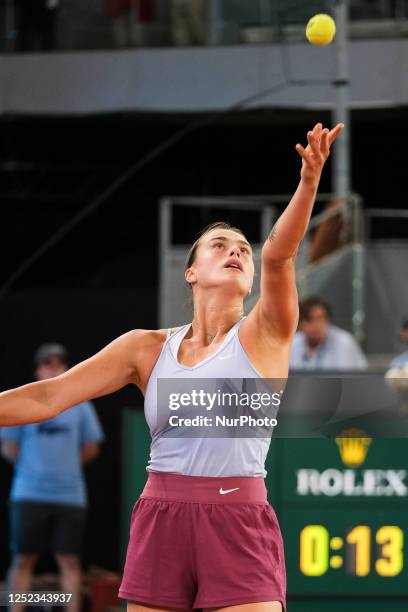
341,114
342,165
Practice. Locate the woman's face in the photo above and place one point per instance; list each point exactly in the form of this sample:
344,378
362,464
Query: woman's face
223,259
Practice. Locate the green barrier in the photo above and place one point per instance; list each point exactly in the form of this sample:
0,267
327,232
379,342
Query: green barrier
135,455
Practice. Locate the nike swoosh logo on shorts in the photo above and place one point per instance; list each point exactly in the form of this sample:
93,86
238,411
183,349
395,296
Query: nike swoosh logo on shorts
222,492
226,357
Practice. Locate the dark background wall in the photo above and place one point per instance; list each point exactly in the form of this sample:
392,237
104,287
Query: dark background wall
84,321
101,279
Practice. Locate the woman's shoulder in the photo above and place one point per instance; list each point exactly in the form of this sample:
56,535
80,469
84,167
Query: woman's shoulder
144,346
148,339
145,338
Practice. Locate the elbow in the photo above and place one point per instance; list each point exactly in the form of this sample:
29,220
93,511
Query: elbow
89,452
95,453
9,455
9,451
278,260
275,256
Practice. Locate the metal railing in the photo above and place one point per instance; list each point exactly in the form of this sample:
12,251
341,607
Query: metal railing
333,263
174,307
172,301
380,213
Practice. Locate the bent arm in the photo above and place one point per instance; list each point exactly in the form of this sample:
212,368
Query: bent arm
107,371
289,230
89,452
278,304
277,311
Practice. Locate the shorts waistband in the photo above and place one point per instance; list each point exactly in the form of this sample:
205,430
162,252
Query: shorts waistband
209,489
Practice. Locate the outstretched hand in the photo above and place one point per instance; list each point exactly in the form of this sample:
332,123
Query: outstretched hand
317,151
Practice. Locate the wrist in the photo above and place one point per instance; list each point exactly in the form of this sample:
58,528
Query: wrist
310,185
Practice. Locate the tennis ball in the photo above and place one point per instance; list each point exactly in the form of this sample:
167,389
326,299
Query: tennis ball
320,29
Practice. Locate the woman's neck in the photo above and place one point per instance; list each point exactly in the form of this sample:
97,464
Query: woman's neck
212,321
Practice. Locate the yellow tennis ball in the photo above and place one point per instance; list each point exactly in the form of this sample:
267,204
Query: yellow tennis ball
320,29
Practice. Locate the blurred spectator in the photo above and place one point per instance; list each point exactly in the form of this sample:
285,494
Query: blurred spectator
48,494
128,15
397,375
400,360
397,379
36,21
189,22
319,344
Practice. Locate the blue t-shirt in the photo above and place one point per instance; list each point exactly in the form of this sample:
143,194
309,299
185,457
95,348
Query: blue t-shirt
49,467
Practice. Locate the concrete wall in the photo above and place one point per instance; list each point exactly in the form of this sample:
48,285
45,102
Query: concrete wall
198,79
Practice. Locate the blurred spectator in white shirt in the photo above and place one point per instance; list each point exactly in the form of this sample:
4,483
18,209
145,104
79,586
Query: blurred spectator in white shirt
189,22
321,345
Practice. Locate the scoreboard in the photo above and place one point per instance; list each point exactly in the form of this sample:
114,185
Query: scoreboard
343,509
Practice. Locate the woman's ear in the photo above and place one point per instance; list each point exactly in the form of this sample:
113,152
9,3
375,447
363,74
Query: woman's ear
189,275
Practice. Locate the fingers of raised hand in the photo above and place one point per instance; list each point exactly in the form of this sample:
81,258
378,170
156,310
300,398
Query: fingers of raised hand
317,130
314,143
319,141
335,132
304,153
325,146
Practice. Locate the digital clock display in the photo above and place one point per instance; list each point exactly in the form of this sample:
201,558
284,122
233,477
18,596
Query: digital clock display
338,554
365,551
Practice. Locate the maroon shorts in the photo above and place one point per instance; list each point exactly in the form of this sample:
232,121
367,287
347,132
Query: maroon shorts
202,542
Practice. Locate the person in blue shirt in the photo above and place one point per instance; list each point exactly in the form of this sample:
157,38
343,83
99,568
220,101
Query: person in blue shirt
318,344
48,496
402,359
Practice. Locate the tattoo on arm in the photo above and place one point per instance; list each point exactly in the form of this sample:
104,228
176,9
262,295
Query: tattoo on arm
272,232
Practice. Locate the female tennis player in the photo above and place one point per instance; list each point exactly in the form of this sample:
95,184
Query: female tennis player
202,533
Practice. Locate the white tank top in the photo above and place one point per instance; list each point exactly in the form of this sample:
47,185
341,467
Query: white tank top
203,456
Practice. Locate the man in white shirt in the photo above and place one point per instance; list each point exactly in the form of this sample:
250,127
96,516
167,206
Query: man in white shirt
321,345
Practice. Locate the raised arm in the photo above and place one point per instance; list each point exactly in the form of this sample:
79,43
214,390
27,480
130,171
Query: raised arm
277,309
109,370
